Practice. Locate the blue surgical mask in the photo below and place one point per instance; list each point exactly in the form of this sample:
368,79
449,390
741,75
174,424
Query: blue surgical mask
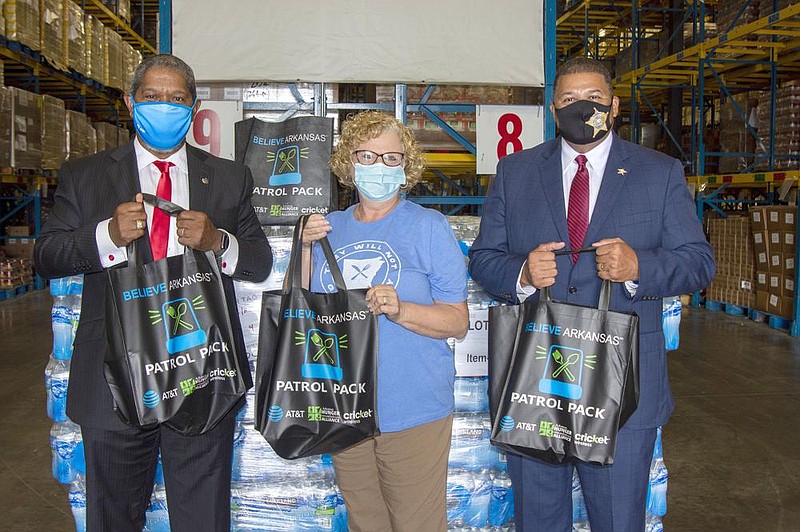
161,125
378,182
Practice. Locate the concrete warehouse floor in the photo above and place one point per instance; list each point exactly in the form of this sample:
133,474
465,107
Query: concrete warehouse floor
731,446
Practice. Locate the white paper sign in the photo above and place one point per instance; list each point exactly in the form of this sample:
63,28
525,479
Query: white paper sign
472,352
504,129
212,129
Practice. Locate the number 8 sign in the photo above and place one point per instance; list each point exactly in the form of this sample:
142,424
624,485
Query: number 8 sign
505,129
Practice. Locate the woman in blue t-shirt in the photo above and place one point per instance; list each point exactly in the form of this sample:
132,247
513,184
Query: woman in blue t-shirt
408,258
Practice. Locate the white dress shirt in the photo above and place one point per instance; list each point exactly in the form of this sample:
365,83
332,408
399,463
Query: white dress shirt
596,160
149,175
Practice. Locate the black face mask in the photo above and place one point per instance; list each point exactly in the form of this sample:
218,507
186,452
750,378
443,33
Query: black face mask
584,121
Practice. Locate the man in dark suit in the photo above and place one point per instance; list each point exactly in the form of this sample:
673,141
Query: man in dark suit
589,188
98,211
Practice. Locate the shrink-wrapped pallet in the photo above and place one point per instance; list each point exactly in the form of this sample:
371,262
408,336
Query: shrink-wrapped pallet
54,135
95,46
74,36
114,59
26,129
52,32
22,22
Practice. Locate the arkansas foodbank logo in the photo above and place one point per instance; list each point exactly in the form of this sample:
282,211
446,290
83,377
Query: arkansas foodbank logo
180,323
321,356
563,370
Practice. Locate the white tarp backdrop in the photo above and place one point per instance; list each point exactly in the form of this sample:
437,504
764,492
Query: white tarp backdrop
371,41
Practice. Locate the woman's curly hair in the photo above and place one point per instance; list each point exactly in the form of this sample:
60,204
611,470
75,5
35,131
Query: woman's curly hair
368,125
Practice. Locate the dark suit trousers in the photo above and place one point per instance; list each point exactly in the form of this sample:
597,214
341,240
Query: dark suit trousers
120,468
615,495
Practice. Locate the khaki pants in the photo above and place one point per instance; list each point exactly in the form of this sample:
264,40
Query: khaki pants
397,481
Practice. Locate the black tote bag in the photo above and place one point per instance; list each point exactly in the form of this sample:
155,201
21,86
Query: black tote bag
563,379
172,356
317,364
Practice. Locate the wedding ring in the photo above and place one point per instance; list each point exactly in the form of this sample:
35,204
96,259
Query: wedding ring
139,224
183,231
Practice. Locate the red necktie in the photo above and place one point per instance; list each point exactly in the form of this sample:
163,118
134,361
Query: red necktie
159,229
578,210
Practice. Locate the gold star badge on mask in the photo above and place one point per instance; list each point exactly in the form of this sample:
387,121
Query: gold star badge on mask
597,122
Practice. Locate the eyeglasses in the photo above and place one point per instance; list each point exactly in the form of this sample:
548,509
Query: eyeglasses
367,158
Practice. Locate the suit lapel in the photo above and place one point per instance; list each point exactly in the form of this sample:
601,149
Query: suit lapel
200,176
553,185
125,176
609,188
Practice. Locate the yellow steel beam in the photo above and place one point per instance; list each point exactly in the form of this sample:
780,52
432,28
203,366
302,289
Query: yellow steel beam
755,178
101,11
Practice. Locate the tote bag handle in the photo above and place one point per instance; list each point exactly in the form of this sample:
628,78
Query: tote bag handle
603,303
295,270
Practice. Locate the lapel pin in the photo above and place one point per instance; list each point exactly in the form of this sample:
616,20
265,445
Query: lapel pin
621,171
204,180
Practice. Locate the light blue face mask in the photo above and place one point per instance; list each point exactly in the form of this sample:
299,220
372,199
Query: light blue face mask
378,182
161,125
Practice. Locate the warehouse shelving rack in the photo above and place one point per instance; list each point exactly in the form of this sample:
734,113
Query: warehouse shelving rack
758,55
21,189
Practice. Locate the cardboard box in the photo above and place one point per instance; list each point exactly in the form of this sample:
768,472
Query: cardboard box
761,282
758,218
774,282
21,248
762,301
787,242
775,262
760,241
781,306
18,230
787,218
762,261
26,129
788,264
787,288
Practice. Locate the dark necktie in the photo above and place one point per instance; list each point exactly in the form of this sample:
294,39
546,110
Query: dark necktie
578,210
159,229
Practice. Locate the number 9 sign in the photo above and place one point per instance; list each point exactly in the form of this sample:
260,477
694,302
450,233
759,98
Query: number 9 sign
505,129
213,127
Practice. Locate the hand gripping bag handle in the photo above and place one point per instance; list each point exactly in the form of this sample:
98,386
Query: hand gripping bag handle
295,270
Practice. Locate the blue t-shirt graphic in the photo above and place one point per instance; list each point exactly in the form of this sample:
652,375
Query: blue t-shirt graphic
413,249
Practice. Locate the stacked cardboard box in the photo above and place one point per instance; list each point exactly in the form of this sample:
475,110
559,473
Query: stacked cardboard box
132,59
734,136
22,22
734,13
95,49
121,7
5,127
81,136
109,135
52,32
13,273
734,281
54,135
18,248
25,123
74,36
114,63
773,229
2,23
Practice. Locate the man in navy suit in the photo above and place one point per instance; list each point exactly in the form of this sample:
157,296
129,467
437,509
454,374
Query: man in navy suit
590,188
98,212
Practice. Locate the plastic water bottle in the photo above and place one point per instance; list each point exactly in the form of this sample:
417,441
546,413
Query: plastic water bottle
471,394
653,524
64,440
48,376
63,324
57,389
501,506
157,514
477,514
657,485
470,447
77,502
671,321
